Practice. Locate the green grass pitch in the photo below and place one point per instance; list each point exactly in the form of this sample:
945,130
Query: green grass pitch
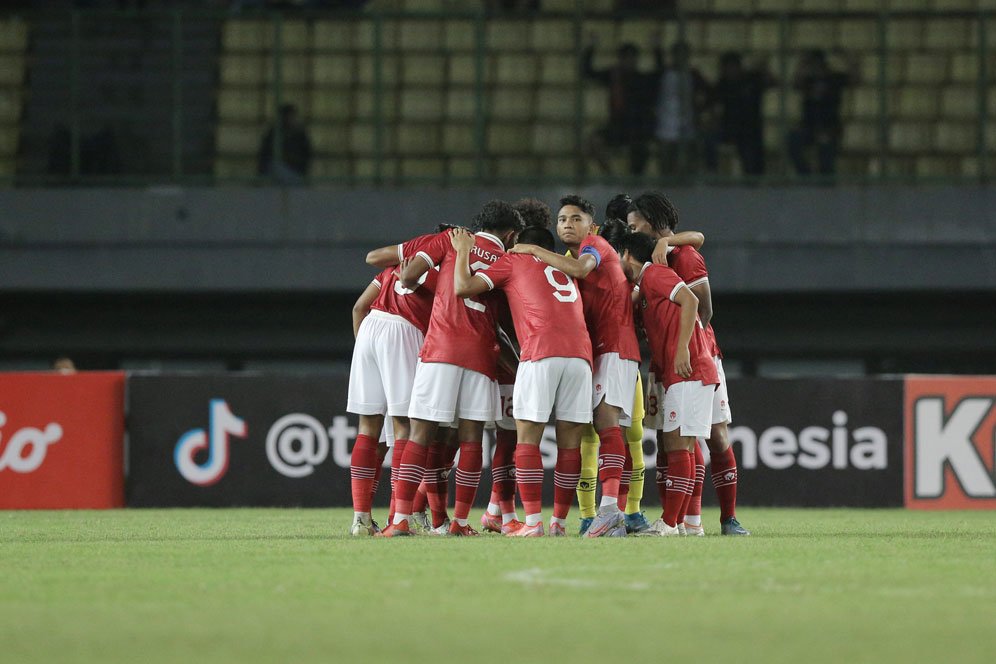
272,585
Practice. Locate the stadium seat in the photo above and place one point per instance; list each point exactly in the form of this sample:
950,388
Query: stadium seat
905,34
552,35
461,104
364,100
596,103
771,105
428,70
294,69
863,103
12,70
514,167
970,166
462,169
418,104
959,102
239,139
555,104
366,34
242,70
366,69
238,168
810,33
818,5
965,67
335,168
459,35
511,104
428,169
514,139
329,139
863,5
333,70
906,5
927,167
920,103
909,137
362,138
503,35
561,167
926,68
516,69
765,35
420,35
955,138
13,35
299,97
295,35
242,35
419,139
861,137
10,105
558,70
238,104
334,36
857,34
950,5
775,5
947,34
332,104
553,139
462,69
459,139
726,35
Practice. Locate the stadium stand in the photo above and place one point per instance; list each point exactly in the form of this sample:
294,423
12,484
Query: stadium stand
13,47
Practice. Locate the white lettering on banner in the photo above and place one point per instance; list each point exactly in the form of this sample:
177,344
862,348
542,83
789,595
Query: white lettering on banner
295,444
340,434
28,437
222,424
814,448
939,443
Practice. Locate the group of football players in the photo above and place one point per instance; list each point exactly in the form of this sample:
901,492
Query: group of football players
464,330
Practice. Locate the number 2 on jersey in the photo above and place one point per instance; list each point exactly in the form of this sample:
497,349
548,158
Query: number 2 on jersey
470,302
563,292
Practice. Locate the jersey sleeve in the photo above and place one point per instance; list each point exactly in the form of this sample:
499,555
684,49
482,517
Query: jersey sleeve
661,282
497,274
430,247
589,247
383,277
691,266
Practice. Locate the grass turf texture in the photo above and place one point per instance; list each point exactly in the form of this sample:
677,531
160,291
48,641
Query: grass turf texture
290,585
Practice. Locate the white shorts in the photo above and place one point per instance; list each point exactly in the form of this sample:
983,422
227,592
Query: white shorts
383,366
614,380
721,398
446,393
387,432
558,385
688,407
507,420
653,403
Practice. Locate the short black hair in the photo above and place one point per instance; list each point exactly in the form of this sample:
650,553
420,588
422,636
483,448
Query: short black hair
498,216
657,209
639,245
616,208
584,204
541,237
613,231
442,228
535,213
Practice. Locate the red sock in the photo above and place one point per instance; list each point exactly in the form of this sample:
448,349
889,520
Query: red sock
624,482
468,477
410,475
565,481
502,467
678,484
362,471
438,486
396,453
380,468
529,477
695,505
432,469
661,475
611,458
689,490
724,478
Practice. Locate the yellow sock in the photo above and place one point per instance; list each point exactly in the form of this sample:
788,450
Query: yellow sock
634,439
589,472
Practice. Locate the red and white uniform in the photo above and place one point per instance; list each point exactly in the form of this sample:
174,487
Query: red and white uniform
687,401
554,374
691,267
608,313
455,378
387,346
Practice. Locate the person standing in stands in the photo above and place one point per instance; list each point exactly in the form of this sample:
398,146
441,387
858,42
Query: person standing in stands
295,157
684,95
738,94
822,89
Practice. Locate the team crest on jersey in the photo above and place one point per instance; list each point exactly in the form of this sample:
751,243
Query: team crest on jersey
672,416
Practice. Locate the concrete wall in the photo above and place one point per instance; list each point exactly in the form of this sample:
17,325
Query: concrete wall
760,240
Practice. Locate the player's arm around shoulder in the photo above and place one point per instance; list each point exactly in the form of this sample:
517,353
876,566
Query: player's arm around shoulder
466,284
363,303
578,268
685,298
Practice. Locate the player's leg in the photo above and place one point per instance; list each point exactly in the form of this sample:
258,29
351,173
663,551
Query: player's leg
635,521
692,401
500,515
626,474
478,402
565,474
692,518
572,410
588,482
611,459
533,400
723,461
363,465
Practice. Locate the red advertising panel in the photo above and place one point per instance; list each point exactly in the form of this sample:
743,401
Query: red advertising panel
951,442
61,440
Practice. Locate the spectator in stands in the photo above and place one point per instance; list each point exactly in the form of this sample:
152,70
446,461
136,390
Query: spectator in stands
738,95
632,95
295,158
64,365
822,89
684,95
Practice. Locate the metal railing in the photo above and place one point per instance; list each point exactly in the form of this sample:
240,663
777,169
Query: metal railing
156,89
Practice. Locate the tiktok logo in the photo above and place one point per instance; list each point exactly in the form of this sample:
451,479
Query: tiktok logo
222,424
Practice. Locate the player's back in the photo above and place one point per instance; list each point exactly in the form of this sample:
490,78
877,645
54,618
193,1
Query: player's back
690,265
462,330
546,307
608,309
415,305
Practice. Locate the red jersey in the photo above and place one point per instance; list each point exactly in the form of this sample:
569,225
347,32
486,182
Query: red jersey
415,306
608,309
662,320
691,267
461,330
546,307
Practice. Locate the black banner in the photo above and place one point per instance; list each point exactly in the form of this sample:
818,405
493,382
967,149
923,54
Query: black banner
271,440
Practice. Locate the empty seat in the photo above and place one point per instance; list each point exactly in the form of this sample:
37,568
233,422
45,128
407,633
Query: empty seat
294,69
10,105
596,103
955,138
818,5
334,70
295,36
909,137
765,35
511,104
965,67
461,104
366,34
562,166
330,139
906,5
334,35
863,5
462,69
429,70
553,139
366,69
421,104
459,138
239,104
946,34
13,35
421,35
240,35
811,33
959,102
419,139
775,5
242,70
904,34
11,70
235,168
950,5
555,104
239,139
726,35
508,139
552,35
927,167
516,69
505,35
918,102
558,69
459,35
928,68
423,169
861,137
332,104
513,168
461,169
864,103
857,34
365,104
